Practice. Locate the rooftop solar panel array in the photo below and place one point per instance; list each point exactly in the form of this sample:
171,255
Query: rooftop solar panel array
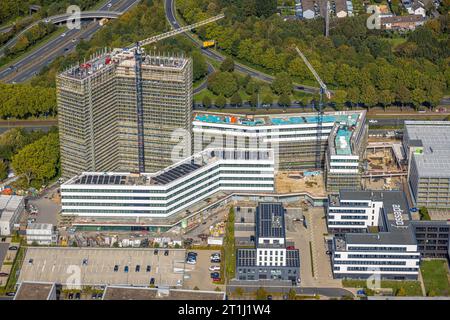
176,173
246,257
270,220
100,179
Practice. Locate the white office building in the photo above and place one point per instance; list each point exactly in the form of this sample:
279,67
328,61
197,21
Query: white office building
293,137
41,234
164,193
347,213
11,208
375,237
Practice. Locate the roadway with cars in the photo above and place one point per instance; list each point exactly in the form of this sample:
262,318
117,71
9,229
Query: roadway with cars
171,17
32,63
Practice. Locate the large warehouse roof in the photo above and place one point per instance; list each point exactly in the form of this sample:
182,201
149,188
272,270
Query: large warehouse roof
435,139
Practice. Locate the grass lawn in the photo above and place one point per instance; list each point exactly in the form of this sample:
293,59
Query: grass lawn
435,277
412,288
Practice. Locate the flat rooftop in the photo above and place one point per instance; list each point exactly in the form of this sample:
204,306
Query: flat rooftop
10,202
395,218
350,118
34,291
434,137
97,266
171,173
132,293
121,57
270,220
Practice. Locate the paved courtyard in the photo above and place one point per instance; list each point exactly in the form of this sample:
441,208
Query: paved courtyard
314,234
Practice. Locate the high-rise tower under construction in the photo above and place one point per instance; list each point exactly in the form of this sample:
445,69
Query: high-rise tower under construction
99,117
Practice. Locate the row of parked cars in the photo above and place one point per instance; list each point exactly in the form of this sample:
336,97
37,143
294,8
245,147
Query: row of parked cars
215,276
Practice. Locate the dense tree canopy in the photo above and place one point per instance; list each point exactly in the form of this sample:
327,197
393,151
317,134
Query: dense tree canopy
38,162
15,139
370,66
22,101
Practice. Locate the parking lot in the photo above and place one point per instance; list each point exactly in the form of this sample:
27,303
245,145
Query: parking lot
48,210
104,266
199,274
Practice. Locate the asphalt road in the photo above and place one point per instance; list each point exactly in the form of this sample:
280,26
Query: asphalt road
31,64
171,17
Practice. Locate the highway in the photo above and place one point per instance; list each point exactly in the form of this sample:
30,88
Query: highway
32,63
171,17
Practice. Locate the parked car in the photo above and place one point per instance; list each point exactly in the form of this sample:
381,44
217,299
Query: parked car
217,279
214,268
155,252
215,256
215,275
13,248
166,253
152,281
10,294
3,274
215,260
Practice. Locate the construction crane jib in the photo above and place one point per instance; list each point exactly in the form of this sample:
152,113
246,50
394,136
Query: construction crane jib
323,86
176,31
138,75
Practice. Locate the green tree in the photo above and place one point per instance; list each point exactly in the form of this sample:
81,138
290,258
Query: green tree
353,96
339,97
403,95
369,96
261,294
39,160
206,101
221,101
385,98
227,65
282,84
251,87
268,99
284,100
417,97
266,8
424,215
254,100
3,170
236,99
200,68
222,83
